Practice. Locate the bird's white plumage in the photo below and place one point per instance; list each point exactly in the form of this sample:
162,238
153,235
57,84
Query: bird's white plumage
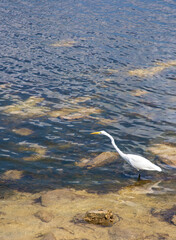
141,163
136,161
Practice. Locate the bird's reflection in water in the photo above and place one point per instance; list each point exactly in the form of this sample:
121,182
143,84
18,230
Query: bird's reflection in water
148,187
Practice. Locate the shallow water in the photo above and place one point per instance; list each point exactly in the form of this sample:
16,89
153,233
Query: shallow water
66,70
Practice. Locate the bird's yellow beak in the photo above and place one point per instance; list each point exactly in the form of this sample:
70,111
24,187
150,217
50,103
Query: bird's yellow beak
96,133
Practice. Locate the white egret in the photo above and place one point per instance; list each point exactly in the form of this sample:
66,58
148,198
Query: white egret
136,161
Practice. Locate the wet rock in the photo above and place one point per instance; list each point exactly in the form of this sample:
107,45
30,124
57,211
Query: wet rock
102,217
166,152
44,216
12,175
100,160
49,236
51,197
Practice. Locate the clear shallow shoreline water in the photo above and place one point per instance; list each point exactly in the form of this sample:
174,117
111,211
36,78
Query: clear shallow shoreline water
53,53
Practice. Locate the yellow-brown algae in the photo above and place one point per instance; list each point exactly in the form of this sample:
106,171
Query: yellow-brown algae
74,113
27,108
6,85
108,79
64,43
150,71
138,92
64,146
79,100
111,71
105,121
171,63
23,131
39,152
12,175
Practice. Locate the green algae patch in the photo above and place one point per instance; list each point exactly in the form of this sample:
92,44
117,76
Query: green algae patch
28,108
167,152
151,71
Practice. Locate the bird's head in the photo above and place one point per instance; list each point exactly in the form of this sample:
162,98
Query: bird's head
102,133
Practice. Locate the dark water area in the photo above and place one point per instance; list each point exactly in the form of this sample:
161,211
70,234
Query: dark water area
55,52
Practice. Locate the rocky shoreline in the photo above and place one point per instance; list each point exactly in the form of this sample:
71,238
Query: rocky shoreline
66,213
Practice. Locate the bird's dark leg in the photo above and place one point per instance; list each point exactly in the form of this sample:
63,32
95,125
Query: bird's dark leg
139,177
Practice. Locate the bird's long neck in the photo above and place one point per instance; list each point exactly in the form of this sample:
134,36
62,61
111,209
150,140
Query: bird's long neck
115,146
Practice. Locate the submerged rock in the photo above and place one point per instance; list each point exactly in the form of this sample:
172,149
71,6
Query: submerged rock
49,236
12,175
28,108
100,160
38,151
168,215
110,71
138,92
173,220
104,121
150,71
75,112
44,216
64,43
78,100
134,212
51,197
23,131
166,152
102,217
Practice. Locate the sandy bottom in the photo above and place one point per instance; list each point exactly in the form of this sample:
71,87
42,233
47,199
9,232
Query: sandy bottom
138,211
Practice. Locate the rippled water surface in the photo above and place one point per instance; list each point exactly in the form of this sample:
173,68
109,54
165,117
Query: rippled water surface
67,69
